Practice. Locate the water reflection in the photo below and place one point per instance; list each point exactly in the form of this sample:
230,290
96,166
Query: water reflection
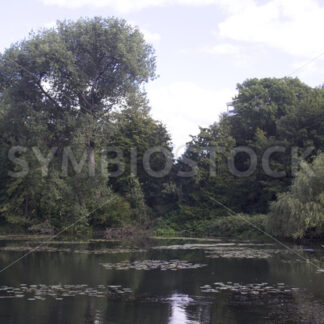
178,310
160,297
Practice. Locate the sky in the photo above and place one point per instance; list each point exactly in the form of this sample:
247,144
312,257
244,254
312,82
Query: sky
204,48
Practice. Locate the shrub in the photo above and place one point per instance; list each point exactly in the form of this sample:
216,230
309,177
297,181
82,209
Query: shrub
239,225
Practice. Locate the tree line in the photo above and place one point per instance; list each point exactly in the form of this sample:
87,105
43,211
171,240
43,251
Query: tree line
81,86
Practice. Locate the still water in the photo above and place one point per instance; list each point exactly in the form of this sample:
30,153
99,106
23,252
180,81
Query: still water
178,281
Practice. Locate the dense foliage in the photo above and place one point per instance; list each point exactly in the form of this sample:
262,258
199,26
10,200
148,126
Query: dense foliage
300,212
279,122
73,90
77,138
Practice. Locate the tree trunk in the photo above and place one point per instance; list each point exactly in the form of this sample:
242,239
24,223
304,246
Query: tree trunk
91,156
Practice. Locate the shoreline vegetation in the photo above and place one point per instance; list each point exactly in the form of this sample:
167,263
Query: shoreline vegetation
135,234
79,146
44,243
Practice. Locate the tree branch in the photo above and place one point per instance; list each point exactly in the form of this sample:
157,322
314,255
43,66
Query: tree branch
47,94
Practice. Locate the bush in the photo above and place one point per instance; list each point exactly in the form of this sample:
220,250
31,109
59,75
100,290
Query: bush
42,228
164,228
116,214
240,225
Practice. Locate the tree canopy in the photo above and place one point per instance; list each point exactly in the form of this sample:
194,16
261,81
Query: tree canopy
68,90
278,120
79,146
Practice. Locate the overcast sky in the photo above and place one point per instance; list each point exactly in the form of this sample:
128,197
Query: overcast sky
203,47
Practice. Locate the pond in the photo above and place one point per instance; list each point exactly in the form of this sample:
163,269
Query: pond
155,280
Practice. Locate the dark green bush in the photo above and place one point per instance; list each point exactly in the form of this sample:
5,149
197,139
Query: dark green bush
239,225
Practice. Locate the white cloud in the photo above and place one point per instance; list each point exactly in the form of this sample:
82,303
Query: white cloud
133,5
120,5
310,72
149,36
184,106
292,26
223,48
240,55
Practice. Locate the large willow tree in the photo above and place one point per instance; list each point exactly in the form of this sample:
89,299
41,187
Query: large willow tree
300,212
58,88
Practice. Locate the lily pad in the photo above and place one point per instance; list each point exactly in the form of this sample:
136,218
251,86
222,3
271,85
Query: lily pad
152,265
59,292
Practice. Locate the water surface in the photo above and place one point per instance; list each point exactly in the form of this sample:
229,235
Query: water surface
113,282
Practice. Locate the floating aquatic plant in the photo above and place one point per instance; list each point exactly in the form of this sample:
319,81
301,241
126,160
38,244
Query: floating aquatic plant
210,246
68,250
110,251
33,248
252,289
152,265
244,253
59,292
230,250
